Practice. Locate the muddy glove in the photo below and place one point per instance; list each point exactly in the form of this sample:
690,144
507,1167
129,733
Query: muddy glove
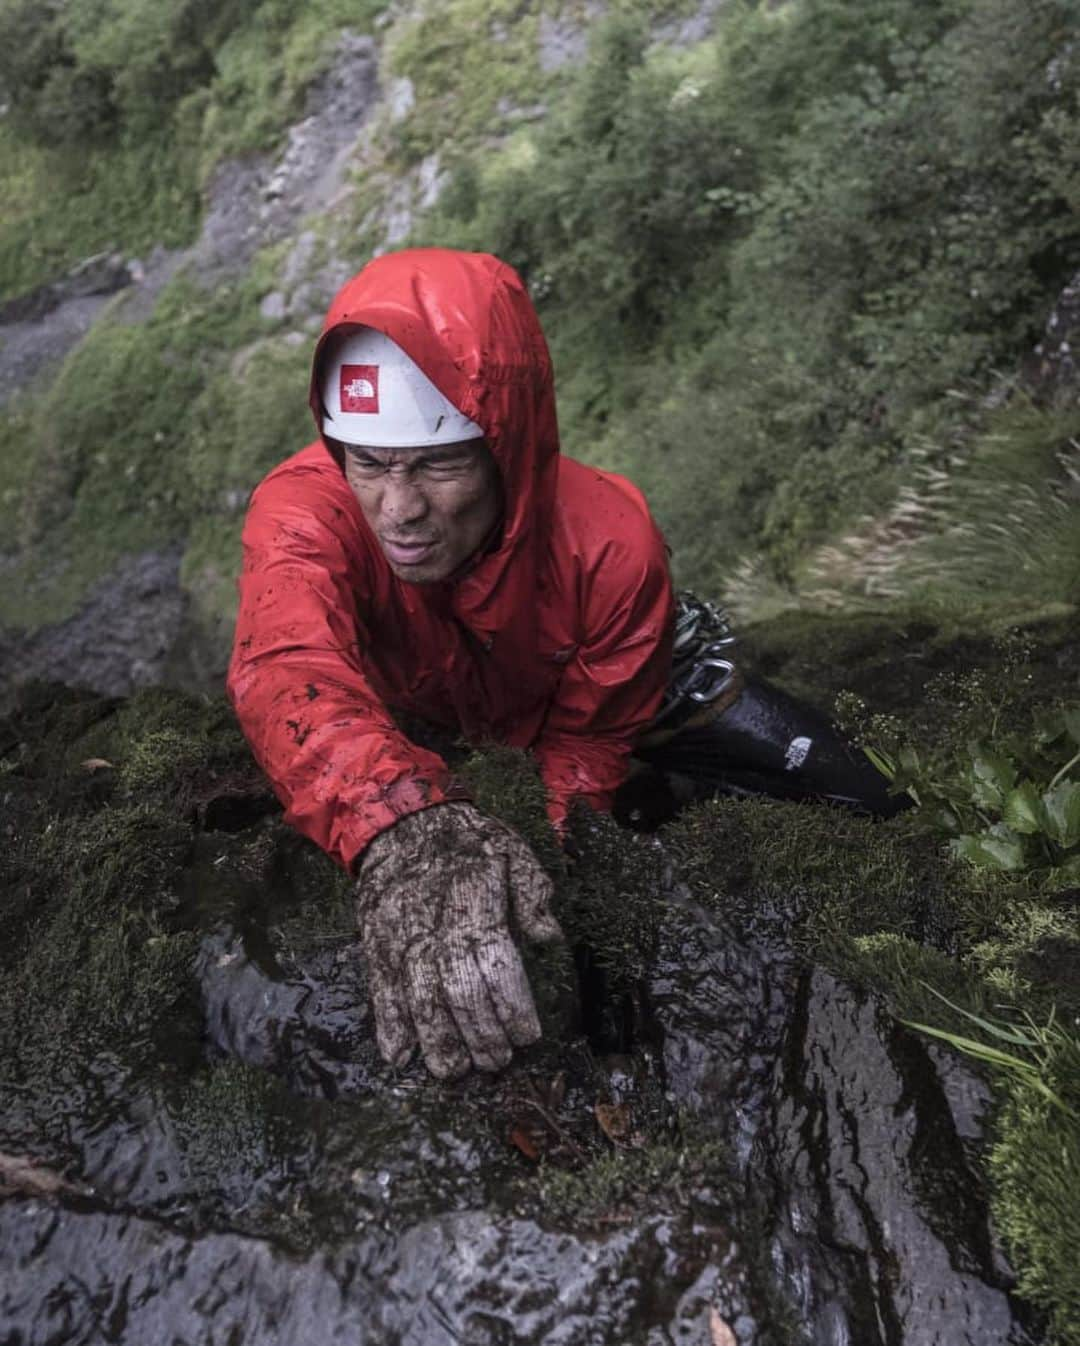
437,898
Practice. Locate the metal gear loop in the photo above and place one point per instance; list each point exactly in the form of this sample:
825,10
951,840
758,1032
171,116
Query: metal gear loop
702,668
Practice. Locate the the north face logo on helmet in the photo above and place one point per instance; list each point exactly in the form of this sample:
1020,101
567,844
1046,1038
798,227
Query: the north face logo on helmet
359,388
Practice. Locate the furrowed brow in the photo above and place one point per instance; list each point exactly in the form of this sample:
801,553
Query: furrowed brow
453,454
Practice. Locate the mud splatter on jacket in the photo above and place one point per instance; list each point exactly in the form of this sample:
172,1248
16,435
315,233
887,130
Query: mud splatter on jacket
558,639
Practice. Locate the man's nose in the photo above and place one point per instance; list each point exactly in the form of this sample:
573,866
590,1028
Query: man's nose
403,500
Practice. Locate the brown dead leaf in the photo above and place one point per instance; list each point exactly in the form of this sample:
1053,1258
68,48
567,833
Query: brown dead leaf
719,1331
96,764
615,1121
523,1138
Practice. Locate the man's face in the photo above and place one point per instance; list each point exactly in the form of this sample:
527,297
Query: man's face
429,508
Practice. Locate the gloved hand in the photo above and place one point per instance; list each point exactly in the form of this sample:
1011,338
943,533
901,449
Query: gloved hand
434,901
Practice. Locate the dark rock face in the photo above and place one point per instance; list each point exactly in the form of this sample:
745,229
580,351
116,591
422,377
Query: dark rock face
458,1278
39,328
311,1025
141,607
856,1136
850,1139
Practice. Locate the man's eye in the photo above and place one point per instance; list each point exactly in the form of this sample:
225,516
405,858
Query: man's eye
453,467
367,468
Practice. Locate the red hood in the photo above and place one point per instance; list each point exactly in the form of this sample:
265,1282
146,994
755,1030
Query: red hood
466,319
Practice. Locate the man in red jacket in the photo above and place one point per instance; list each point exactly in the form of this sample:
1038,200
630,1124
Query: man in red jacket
432,552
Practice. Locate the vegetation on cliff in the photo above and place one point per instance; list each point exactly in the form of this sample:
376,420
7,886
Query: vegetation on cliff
789,272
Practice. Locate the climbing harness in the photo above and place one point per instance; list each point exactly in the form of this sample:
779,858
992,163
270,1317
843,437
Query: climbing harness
703,670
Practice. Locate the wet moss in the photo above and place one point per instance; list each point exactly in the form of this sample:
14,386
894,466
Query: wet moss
93,960
845,875
610,891
912,978
1035,1166
672,1173
238,1130
102,806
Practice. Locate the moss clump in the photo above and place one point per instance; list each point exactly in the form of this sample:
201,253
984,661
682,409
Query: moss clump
844,875
908,974
506,783
103,805
610,885
616,1187
1035,1165
238,1130
93,960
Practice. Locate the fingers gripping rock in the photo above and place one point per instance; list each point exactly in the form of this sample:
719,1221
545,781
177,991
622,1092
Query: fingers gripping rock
434,902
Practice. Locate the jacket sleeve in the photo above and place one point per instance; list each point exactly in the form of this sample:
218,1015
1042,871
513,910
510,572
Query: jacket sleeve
614,685
296,679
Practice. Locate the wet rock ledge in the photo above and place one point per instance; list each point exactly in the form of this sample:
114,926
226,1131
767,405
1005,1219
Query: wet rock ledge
719,1141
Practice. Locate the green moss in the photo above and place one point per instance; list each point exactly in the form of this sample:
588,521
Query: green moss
908,974
617,1186
1035,1165
16,468
95,964
849,875
506,783
235,1125
103,805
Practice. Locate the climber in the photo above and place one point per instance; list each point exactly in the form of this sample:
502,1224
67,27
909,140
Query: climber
432,553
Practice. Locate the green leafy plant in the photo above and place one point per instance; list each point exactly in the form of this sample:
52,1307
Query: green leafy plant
1003,809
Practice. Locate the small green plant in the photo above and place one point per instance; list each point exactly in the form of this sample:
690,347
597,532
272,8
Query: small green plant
1003,808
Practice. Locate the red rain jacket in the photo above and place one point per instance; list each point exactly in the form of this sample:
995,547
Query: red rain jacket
557,640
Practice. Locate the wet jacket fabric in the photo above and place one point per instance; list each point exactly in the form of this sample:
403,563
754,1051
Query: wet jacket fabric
556,639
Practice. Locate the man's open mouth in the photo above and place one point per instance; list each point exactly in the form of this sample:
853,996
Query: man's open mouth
407,552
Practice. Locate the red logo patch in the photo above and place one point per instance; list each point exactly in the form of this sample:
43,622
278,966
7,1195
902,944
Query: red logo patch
359,389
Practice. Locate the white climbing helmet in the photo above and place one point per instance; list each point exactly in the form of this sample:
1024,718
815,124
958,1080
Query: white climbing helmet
373,393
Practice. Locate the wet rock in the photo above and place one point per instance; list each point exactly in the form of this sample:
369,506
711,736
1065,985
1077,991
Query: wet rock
854,1135
102,274
38,329
464,1277
770,1158
311,1024
880,1220
120,638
